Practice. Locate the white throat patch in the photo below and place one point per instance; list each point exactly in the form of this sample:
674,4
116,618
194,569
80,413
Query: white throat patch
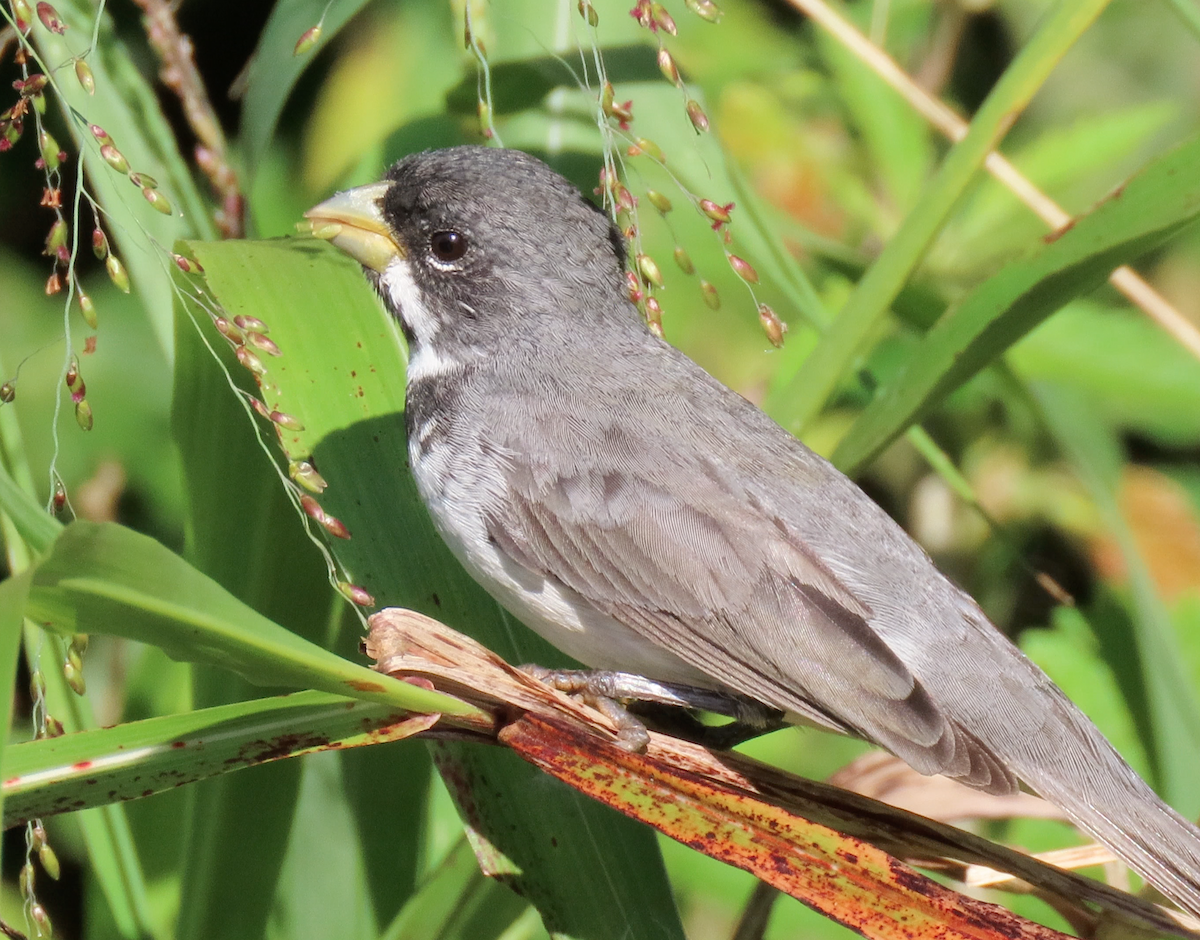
424,362
406,299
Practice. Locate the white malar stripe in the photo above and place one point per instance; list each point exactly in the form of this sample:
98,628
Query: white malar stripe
406,299
424,362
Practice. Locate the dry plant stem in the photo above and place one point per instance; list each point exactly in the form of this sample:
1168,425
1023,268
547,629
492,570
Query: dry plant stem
179,73
533,718
1124,278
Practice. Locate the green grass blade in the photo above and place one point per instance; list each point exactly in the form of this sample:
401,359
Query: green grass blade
104,578
341,374
1172,701
137,758
1150,208
274,69
457,902
30,520
804,396
13,593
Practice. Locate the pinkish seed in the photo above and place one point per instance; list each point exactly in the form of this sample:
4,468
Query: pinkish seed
705,9
743,269
649,270
335,527
114,158
117,273
666,65
50,18
662,19
633,287
355,594
287,421
588,12
88,309
23,15
654,314
158,201
229,331
260,407
251,323
772,325
720,214
312,509
256,339
308,39
83,74
250,361
711,298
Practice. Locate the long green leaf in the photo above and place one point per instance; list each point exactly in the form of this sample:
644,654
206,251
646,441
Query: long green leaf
1173,703
457,902
1149,209
30,520
104,578
138,758
808,391
13,593
275,67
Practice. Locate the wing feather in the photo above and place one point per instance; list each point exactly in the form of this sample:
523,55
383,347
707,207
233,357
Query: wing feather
727,586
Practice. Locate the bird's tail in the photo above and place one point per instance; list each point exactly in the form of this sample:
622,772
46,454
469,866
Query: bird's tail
1106,798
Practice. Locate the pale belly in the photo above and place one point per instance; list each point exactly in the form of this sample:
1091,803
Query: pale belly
546,606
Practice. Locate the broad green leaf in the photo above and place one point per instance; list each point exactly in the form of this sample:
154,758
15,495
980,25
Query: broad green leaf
403,59
340,373
833,358
1150,208
457,902
243,533
103,578
1137,377
275,68
134,759
323,890
387,789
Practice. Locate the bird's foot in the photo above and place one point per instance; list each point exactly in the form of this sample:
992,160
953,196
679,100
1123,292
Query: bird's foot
667,704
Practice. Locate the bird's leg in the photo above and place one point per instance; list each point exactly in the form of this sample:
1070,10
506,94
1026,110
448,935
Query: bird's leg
615,693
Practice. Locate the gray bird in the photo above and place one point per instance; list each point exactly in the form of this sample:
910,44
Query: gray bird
644,518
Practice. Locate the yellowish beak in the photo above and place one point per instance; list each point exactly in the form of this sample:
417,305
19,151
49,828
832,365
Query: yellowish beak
353,222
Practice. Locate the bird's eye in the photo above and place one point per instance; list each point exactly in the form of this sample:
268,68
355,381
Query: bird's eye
448,246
